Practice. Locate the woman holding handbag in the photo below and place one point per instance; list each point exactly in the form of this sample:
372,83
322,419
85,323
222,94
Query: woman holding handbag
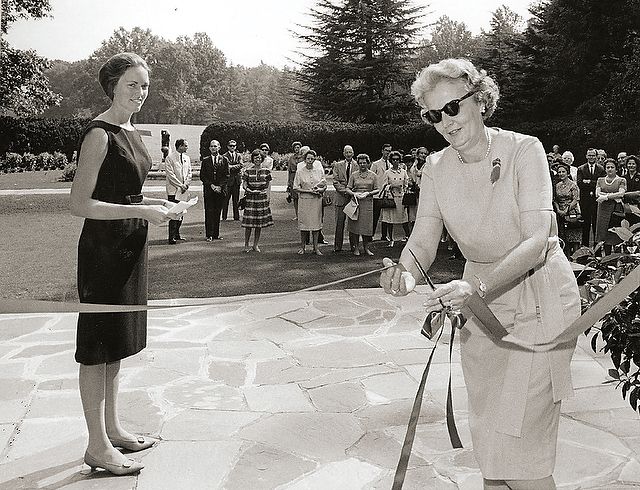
566,204
394,184
310,185
415,172
362,188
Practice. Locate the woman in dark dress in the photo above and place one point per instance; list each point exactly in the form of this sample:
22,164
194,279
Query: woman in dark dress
112,257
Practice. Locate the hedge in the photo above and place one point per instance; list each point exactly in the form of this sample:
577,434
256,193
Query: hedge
33,135
327,138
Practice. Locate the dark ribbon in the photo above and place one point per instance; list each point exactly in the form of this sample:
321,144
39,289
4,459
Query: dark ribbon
432,326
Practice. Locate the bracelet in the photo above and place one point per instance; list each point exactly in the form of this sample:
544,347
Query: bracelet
481,286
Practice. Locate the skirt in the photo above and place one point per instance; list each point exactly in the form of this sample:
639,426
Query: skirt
257,213
397,215
605,220
364,224
309,212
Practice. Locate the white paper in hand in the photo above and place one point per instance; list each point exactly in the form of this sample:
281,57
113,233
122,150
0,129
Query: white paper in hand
182,206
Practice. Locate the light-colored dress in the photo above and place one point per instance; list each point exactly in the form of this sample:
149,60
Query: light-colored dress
359,182
396,182
309,205
606,217
514,394
414,174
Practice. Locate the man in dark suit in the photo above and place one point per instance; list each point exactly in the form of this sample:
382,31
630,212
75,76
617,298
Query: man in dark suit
234,162
214,174
587,178
341,173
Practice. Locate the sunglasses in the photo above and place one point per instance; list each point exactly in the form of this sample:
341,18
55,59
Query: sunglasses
451,108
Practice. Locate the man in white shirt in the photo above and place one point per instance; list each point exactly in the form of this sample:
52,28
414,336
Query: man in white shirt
379,167
342,170
178,173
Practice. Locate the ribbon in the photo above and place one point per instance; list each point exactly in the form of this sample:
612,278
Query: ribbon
17,306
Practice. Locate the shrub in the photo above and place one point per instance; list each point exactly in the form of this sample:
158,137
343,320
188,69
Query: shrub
68,172
45,161
29,162
59,160
34,135
12,161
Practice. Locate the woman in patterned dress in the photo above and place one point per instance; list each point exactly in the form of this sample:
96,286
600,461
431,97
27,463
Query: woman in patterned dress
395,181
112,257
504,224
609,192
310,184
566,203
257,214
362,187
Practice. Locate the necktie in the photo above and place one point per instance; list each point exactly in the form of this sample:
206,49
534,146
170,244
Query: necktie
592,170
348,170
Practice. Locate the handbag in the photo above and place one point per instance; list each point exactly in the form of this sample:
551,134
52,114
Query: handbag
242,202
352,210
386,199
409,199
326,200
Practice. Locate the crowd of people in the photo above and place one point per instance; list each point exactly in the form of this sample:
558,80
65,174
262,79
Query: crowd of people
490,187
591,198
385,190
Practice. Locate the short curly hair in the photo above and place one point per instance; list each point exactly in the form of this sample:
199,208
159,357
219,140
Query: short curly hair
364,156
485,88
257,153
115,67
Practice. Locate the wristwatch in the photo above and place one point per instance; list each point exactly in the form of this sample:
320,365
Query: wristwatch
482,287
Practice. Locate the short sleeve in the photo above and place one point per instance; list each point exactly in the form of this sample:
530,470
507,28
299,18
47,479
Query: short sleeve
623,184
534,191
427,202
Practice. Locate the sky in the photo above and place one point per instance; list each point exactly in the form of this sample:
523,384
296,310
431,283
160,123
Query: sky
248,32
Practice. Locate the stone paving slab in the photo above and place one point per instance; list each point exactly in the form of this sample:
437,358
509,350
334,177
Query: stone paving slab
301,391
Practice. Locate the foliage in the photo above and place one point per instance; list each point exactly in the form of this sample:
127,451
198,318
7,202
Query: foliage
68,172
359,69
620,329
576,51
190,83
13,10
36,135
328,138
449,39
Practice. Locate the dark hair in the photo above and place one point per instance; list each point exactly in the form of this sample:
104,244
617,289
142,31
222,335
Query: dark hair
365,156
395,154
312,152
632,157
256,153
180,142
387,145
612,161
115,67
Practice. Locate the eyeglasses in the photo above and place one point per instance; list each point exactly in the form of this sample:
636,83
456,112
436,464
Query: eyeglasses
451,108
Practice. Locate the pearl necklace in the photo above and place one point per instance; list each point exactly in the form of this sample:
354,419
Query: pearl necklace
609,183
485,155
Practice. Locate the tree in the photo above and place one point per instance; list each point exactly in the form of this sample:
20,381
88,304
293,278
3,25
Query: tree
359,69
499,55
13,10
449,39
24,88
576,50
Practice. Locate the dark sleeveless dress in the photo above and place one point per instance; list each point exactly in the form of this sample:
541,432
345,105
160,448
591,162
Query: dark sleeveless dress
112,255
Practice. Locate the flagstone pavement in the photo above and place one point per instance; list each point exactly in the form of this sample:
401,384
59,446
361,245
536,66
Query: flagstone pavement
301,391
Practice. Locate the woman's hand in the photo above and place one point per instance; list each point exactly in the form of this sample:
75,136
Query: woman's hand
601,198
453,294
157,214
396,280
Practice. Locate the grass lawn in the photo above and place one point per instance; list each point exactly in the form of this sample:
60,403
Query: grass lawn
40,237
